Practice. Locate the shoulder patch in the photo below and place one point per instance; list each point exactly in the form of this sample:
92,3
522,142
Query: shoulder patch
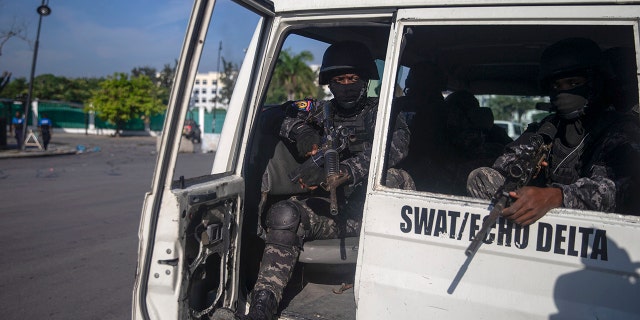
304,105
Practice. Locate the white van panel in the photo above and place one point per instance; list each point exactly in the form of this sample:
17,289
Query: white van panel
555,268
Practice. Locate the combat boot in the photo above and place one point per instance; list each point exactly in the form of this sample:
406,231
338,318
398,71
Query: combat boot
263,306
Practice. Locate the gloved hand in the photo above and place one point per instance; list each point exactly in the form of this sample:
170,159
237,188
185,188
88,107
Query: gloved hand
306,142
311,179
345,170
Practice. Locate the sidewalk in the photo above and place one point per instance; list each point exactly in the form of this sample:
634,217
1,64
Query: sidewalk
61,144
54,149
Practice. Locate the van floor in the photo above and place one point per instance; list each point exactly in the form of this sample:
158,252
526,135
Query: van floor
311,293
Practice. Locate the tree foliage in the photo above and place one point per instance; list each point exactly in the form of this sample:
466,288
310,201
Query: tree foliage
15,89
227,81
511,108
51,87
163,79
292,78
120,99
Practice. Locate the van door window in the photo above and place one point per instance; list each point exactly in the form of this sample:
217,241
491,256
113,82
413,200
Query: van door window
466,96
222,57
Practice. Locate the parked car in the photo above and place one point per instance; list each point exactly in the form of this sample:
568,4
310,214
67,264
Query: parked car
514,129
191,131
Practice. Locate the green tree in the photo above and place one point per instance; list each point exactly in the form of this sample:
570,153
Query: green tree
227,81
511,108
79,89
162,79
50,87
16,88
121,99
148,71
292,78
165,80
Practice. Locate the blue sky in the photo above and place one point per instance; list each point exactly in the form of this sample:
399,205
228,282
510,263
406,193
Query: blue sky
83,38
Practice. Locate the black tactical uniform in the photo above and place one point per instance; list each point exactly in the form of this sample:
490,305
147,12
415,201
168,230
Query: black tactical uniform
298,219
595,153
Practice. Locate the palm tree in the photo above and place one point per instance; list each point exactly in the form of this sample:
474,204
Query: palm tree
292,78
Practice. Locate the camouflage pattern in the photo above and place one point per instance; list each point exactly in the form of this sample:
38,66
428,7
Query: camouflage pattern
607,168
483,182
299,120
316,222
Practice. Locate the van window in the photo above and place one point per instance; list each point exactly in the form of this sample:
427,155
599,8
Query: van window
221,59
465,74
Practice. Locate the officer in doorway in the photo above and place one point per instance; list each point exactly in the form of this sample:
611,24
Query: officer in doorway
347,68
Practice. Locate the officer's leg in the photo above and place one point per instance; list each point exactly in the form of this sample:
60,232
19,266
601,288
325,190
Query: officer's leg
484,182
283,243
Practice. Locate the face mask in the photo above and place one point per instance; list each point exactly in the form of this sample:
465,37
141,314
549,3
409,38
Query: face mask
347,95
570,104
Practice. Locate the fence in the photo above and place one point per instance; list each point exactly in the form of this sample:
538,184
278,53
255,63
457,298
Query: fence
69,116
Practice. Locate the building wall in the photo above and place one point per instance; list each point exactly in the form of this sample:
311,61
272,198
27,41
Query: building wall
204,91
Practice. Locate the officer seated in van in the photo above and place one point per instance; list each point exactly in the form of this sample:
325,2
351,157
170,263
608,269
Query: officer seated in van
465,143
593,162
346,68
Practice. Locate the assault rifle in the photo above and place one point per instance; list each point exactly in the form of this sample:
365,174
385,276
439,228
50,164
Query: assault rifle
519,173
328,156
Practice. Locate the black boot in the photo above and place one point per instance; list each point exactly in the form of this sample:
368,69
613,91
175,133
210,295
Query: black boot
263,306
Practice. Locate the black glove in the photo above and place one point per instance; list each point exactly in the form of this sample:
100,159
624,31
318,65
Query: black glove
312,177
345,169
305,141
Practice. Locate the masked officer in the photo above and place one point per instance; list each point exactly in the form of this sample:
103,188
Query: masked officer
593,162
347,68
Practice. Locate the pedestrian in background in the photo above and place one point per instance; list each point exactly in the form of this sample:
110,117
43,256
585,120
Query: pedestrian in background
44,125
17,126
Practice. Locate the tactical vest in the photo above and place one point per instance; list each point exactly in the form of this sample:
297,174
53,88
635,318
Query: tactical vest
565,164
359,127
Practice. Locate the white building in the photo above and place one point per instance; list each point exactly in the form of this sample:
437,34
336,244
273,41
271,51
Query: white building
206,87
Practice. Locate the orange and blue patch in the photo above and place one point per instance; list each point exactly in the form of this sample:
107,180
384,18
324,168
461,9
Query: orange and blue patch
304,105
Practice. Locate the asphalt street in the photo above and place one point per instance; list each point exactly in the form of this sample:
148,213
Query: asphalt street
69,223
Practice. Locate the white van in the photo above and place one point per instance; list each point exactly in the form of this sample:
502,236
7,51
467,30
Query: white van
200,226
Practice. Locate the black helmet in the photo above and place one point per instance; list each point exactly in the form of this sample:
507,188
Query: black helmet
345,56
569,56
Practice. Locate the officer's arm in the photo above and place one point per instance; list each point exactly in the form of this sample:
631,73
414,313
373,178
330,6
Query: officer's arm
399,144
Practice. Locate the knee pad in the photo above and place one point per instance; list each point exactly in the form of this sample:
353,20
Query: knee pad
282,222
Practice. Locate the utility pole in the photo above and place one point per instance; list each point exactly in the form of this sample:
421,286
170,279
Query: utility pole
43,10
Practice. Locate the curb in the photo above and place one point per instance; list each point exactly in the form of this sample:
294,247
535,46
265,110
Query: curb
56,151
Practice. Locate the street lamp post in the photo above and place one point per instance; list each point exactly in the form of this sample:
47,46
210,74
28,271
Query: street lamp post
43,10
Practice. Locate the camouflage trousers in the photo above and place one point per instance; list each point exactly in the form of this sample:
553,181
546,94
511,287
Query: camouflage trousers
317,223
483,182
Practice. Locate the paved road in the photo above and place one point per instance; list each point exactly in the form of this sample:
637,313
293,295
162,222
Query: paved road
68,227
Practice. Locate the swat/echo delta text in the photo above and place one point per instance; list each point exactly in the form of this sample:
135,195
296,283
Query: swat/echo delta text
560,239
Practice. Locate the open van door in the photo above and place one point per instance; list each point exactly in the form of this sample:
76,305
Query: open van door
188,251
